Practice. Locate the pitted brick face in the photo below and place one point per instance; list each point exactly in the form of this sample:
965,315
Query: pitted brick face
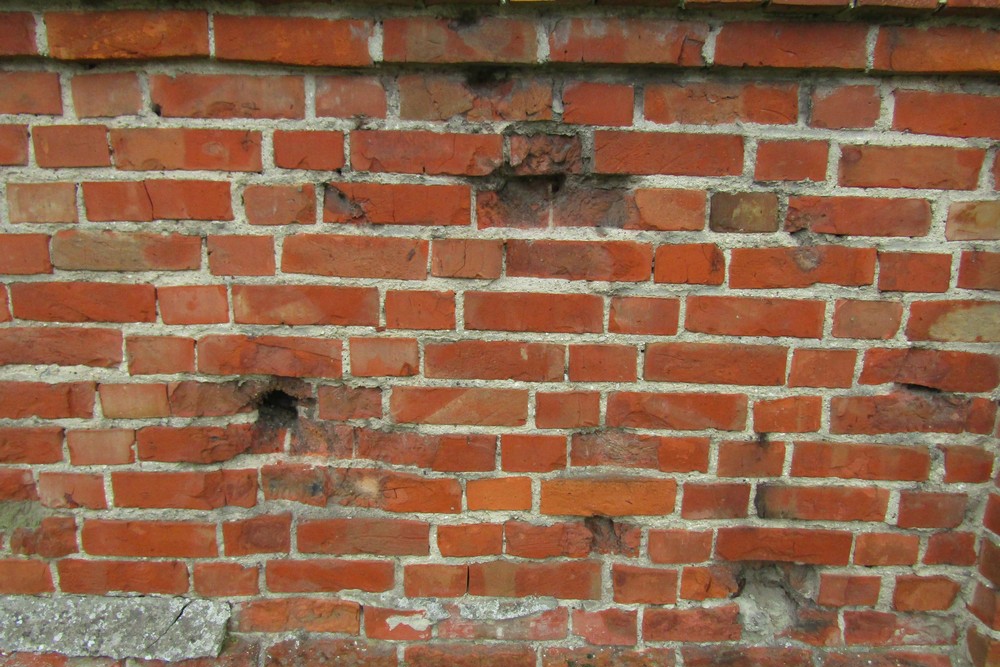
500,332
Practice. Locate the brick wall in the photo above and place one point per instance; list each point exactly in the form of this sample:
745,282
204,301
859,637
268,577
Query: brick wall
620,334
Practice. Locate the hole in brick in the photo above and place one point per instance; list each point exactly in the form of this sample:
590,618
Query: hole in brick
277,409
157,109
918,388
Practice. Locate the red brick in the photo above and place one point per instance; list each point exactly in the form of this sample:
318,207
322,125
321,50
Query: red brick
592,103
191,398
738,316
453,453
542,625
796,545
149,539
390,204
725,412
280,204
24,254
845,107
143,201
17,34
355,256
71,146
505,493
84,302
328,575
350,97
575,580
467,258
792,414
974,220
196,304
105,250
134,401
36,93
914,593
440,97
48,401
966,464
948,371
305,304
41,202
713,582
709,363
632,41
293,40
71,490
721,103
526,540
602,363
792,45
31,445
453,405
693,264
469,655
910,167
299,614
59,346
227,96
744,212
305,149
484,40
970,321
225,579
167,148
876,628
381,623
512,311
17,484
322,651
101,447
756,458
425,580
126,35
532,453
152,355
384,537
418,152
643,315
979,270
607,657
827,503
288,356
567,409
495,360
241,255
844,590
13,144
947,114
608,496
861,461
106,95
866,319
609,627
822,368
706,624
53,537
104,576
918,509
627,450
913,272
201,444
419,310
791,161
938,49
643,585
907,411
25,577
715,501
857,216
466,540
576,260
544,154
674,154
185,490
384,356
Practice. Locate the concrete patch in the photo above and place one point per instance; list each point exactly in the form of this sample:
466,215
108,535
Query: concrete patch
136,627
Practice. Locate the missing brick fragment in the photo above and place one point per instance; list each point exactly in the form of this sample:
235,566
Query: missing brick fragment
276,409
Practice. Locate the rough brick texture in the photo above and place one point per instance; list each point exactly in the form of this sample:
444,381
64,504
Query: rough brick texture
502,332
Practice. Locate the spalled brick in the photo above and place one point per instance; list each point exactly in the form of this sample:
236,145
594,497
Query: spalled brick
719,103
487,39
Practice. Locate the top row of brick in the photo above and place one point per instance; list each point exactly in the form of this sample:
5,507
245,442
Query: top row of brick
305,41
